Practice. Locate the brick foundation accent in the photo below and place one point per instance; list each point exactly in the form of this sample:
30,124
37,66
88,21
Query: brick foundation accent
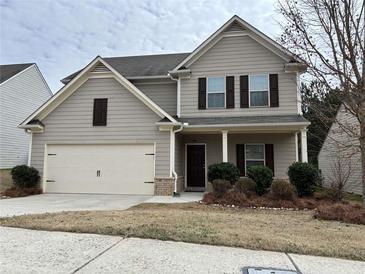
164,186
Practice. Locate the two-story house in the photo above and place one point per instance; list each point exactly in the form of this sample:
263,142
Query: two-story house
153,124
22,90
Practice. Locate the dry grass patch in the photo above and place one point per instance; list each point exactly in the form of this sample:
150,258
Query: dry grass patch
286,231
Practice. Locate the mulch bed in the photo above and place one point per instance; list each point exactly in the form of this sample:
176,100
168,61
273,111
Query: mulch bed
15,191
323,209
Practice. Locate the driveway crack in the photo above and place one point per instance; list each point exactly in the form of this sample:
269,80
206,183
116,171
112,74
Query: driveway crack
97,256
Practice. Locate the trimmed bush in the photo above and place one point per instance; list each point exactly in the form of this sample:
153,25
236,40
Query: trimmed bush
25,176
224,171
220,187
282,189
233,198
245,185
303,176
262,175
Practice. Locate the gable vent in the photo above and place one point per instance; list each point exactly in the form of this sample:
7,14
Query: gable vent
235,26
100,68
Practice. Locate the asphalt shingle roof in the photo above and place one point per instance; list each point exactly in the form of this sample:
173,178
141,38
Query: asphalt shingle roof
8,71
143,65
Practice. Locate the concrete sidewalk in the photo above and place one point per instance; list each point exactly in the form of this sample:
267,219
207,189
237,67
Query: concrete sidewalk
27,251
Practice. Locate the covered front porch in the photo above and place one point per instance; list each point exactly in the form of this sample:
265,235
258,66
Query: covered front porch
196,149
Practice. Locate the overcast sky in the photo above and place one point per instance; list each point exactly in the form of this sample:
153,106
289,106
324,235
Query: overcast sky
62,36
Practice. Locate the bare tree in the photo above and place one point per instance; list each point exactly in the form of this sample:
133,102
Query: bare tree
329,36
341,171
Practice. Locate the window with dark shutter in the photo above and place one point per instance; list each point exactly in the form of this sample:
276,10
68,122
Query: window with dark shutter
202,88
269,156
244,91
100,111
230,92
274,90
240,158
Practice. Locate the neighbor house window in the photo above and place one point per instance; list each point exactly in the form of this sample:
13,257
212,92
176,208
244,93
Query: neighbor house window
216,92
259,90
255,155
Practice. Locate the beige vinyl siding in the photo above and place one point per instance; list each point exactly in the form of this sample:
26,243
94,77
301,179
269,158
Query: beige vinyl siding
128,121
284,148
20,96
179,155
235,56
162,93
339,145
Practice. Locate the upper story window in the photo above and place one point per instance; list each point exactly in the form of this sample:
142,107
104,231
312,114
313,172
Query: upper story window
100,111
216,92
259,90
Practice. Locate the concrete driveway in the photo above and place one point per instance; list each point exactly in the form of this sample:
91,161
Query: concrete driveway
30,251
67,202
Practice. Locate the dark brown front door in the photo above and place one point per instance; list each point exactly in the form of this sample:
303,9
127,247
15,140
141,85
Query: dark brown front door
195,167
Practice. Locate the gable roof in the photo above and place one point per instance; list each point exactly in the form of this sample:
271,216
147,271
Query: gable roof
237,24
72,86
8,71
143,65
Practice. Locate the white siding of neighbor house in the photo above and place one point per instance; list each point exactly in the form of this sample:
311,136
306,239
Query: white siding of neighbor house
128,121
284,148
337,145
235,56
19,97
162,93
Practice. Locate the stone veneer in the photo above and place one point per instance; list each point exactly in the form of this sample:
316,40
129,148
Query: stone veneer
164,186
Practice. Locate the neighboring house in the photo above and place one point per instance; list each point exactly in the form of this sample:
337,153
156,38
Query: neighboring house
340,154
153,124
22,90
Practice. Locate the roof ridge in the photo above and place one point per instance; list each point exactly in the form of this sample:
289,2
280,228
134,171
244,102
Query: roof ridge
147,55
17,64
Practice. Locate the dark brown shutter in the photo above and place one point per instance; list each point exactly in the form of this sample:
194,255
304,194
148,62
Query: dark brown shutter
274,90
240,150
230,92
244,91
202,82
100,111
269,156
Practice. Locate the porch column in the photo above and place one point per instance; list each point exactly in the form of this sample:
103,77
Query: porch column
225,145
303,143
296,147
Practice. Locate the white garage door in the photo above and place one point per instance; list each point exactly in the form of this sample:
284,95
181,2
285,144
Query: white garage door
104,169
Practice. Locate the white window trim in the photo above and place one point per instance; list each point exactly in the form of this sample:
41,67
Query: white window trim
268,90
246,159
224,92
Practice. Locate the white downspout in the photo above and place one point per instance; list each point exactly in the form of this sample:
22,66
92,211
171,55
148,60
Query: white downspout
172,159
178,94
30,148
178,97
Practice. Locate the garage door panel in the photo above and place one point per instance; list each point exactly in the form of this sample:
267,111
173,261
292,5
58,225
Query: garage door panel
110,169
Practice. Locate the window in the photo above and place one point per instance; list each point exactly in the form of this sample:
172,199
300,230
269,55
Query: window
255,155
100,112
216,92
259,90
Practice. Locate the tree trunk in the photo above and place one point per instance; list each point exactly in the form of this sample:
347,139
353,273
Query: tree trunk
362,146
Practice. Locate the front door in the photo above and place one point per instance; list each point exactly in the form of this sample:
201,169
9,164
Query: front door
195,167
